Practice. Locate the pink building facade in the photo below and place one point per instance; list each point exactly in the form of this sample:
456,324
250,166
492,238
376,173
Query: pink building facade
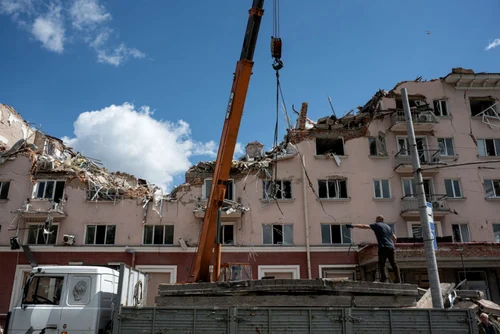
286,210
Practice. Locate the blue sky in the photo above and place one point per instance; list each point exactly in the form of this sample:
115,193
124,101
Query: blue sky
142,66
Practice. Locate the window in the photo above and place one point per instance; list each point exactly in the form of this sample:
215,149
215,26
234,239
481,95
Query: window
409,189
460,232
382,189
43,290
335,234
453,189
415,229
229,189
478,105
227,234
488,147
52,190
37,235
492,188
279,189
158,235
332,188
422,147
446,146
330,146
4,189
496,232
100,235
377,146
440,108
277,234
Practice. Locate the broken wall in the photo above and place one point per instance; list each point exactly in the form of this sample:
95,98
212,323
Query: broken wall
13,127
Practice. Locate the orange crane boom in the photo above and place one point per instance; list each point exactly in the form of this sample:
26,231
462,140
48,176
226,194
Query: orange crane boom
234,112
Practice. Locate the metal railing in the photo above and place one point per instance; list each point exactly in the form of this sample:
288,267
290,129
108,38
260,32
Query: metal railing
417,116
439,202
426,156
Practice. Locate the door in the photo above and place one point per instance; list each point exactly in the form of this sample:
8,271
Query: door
154,281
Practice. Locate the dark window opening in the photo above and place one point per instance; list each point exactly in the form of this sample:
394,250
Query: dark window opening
100,235
332,188
227,234
440,108
277,234
4,189
229,189
52,190
279,189
330,146
478,106
158,235
335,234
37,235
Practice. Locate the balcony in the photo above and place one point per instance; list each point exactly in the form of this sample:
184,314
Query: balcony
423,120
409,206
428,158
41,208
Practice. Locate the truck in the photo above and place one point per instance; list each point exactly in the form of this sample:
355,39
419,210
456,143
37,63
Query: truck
101,300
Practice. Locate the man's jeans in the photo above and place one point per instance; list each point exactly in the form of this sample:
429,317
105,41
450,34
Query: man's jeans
385,253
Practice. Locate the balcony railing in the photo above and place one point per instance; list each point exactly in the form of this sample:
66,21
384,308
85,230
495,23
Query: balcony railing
439,203
426,156
417,116
42,207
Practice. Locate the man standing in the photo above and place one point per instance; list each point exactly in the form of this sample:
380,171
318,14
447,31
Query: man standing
485,326
386,243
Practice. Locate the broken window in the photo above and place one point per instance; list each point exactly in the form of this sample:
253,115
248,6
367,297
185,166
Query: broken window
422,148
227,234
488,147
279,189
332,188
496,232
52,190
478,105
4,189
330,146
409,189
382,189
492,188
335,234
229,189
277,234
377,146
96,194
100,235
440,108
453,189
37,235
460,232
158,235
446,146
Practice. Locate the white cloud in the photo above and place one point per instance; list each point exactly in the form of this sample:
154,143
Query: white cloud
49,30
238,150
493,44
87,14
131,140
118,55
16,7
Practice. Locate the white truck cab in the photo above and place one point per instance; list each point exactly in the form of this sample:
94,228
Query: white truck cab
75,299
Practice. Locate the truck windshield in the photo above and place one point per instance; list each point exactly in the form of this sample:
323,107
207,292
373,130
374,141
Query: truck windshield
43,290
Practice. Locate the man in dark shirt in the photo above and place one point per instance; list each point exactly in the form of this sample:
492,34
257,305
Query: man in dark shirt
485,326
386,241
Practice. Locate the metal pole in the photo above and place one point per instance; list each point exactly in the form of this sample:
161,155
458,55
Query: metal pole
430,256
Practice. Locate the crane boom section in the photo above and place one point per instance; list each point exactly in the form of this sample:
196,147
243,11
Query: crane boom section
227,145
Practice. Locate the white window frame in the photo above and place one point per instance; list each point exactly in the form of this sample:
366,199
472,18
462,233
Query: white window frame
153,244
453,183
35,189
440,111
330,230
381,189
337,189
483,149
234,233
461,234
379,152
294,269
172,270
204,188
280,181
407,146
446,147
41,224
283,231
95,235
493,184
340,268
410,224
431,186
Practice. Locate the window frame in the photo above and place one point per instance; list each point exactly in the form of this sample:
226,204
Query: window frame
223,233
343,228
439,111
414,195
2,183
437,224
453,184
446,147
492,186
380,182
337,189
95,235
482,99
294,269
273,243
379,152
206,191
281,181
153,237
484,148
460,225
406,150
41,225
37,185
496,234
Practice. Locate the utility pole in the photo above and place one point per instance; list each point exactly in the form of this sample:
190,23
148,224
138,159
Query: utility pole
430,256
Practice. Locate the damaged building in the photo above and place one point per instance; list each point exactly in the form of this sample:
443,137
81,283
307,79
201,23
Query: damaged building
286,208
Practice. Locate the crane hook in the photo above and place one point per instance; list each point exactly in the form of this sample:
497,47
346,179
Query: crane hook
276,46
